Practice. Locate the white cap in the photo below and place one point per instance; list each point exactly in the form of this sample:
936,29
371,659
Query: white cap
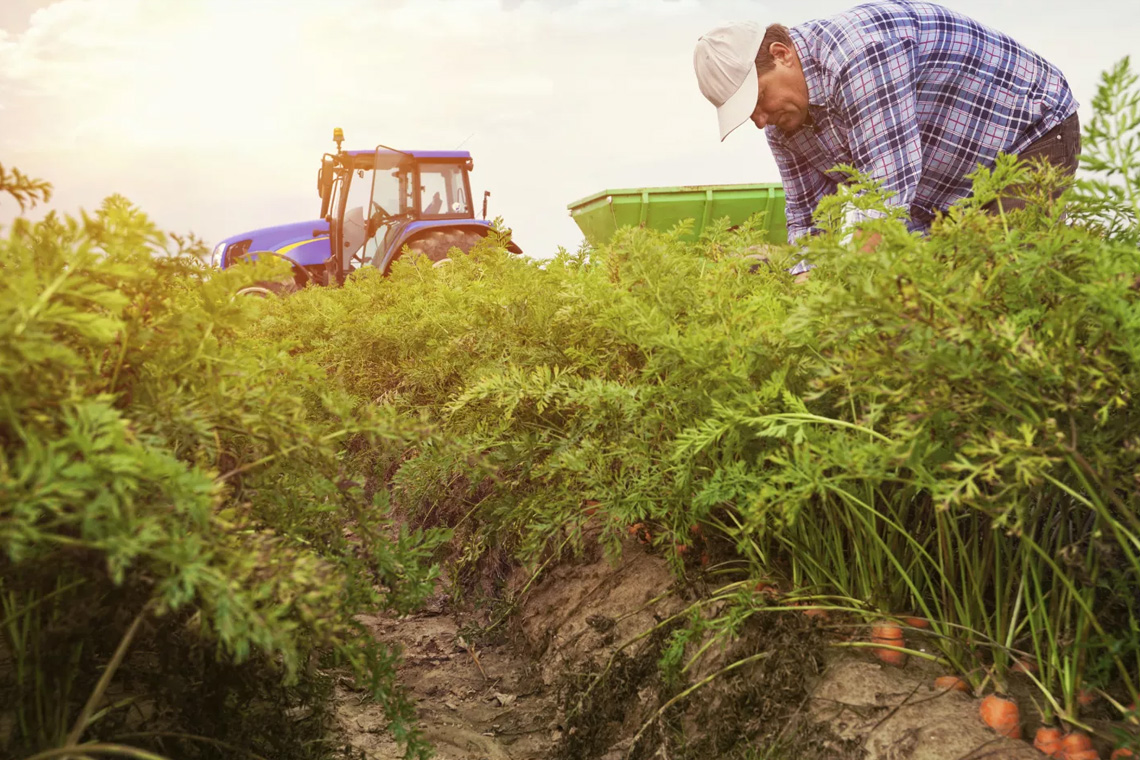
725,62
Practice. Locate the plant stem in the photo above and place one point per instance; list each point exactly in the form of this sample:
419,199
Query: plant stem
703,682
98,749
104,681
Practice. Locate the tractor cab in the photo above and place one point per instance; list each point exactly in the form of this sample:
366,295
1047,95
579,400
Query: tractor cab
389,196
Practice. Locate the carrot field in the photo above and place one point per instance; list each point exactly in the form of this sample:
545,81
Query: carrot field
202,495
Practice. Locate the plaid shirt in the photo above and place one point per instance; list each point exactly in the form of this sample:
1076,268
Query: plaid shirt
917,96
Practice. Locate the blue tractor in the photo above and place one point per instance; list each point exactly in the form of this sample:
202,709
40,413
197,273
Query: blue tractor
375,204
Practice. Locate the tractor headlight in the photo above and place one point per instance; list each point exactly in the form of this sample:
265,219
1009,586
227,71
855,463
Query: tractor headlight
216,256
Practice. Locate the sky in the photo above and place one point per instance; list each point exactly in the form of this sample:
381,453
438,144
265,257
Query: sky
212,115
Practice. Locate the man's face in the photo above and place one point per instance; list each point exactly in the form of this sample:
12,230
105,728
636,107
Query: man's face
783,98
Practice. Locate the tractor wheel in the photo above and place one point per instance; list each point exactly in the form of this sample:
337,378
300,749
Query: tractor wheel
437,244
264,289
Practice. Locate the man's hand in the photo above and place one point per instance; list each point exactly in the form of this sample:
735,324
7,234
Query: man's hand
868,242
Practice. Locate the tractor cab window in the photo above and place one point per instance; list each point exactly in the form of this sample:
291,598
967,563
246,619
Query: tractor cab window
442,191
354,231
391,198
389,186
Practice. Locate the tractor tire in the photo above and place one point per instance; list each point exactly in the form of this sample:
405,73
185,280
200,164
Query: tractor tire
438,244
264,289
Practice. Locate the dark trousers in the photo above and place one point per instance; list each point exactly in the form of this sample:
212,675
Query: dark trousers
1060,146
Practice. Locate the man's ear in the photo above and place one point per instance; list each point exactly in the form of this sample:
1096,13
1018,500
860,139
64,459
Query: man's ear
781,53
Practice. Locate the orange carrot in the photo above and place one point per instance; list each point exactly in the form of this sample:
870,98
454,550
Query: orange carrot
1076,745
1002,715
1024,666
1048,741
917,622
681,548
821,615
591,506
952,683
1086,697
704,559
886,631
1122,752
1076,741
891,634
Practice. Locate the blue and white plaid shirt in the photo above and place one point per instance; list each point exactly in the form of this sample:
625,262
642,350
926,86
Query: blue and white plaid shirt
916,95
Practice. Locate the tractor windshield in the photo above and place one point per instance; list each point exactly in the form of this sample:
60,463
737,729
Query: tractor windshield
390,201
390,185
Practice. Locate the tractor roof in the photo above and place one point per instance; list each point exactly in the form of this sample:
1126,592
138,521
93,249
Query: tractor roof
457,155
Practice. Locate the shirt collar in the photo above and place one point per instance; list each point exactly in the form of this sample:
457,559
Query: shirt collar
813,71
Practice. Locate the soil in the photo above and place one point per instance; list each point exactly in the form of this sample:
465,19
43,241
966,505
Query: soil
558,683
472,701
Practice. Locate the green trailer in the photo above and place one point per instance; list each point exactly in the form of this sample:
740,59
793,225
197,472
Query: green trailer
600,215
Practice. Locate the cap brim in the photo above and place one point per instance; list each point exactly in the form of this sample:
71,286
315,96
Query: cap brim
738,109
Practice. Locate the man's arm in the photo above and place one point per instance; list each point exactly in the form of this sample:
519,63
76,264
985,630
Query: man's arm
803,186
877,106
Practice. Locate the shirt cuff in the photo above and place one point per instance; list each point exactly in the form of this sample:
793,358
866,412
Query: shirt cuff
795,233
801,267
856,216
